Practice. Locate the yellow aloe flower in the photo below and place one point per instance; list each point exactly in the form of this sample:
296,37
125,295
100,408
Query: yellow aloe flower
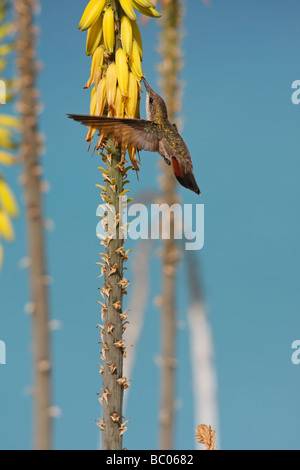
6,158
126,34
109,30
115,44
94,36
122,71
6,49
7,199
6,229
9,121
128,9
135,61
91,14
8,126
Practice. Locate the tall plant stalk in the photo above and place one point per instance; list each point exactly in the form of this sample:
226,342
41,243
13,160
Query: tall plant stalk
28,108
113,259
114,42
170,50
112,333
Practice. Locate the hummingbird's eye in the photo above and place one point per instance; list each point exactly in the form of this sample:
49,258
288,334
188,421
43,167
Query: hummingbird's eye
151,100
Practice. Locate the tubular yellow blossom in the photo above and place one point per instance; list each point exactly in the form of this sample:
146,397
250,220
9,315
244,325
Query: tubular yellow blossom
135,61
145,3
126,34
90,134
93,106
6,229
128,9
97,62
7,200
109,30
93,103
97,77
6,158
137,111
94,36
119,104
132,96
152,12
101,97
111,87
6,49
91,14
5,134
6,138
5,30
10,121
137,36
122,71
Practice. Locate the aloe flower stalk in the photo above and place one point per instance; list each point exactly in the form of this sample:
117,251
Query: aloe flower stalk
114,42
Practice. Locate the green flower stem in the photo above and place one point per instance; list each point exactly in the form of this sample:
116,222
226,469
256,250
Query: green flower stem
114,288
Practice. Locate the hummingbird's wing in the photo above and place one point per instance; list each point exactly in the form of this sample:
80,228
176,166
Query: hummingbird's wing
138,133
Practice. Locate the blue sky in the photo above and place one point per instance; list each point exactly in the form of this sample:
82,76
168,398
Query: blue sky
242,130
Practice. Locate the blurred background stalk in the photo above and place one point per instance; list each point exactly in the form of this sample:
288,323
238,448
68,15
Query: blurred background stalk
30,152
169,69
202,351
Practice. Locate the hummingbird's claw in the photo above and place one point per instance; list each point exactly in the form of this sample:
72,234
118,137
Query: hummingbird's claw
167,161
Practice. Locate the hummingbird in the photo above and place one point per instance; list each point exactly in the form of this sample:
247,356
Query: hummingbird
156,134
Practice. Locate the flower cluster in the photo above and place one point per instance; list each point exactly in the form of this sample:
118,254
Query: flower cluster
8,125
115,44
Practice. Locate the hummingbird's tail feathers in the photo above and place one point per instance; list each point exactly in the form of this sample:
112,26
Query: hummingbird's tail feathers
185,176
138,133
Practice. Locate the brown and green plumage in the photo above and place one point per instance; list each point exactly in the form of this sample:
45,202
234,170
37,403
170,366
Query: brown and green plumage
156,134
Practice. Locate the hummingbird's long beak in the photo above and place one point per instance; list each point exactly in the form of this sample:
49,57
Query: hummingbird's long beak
148,88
